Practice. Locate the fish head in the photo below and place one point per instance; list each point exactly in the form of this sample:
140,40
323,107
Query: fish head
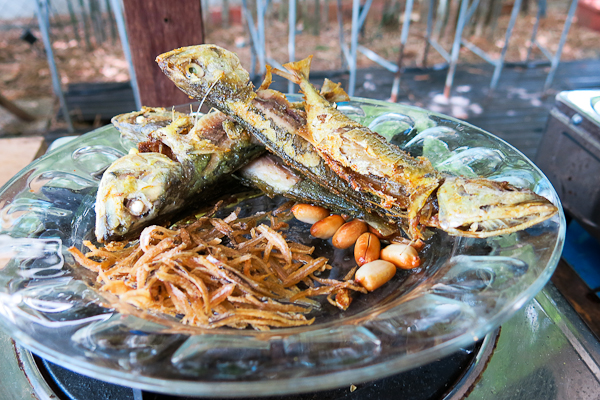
144,116
134,190
482,208
138,125
205,70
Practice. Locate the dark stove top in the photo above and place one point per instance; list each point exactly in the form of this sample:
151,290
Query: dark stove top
432,381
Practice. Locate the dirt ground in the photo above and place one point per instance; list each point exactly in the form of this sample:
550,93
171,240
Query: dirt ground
25,75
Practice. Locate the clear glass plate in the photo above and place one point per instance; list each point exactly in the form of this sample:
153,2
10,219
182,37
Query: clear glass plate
464,289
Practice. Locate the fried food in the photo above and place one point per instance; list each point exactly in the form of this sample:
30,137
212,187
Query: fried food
386,177
267,173
184,159
213,272
213,74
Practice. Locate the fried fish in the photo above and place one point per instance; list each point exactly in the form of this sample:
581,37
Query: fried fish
347,157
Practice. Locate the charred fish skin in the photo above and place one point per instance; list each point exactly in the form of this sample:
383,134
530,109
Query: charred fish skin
215,74
269,174
139,187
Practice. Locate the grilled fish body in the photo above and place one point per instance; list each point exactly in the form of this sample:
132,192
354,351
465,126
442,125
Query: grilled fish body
467,207
215,74
183,159
384,177
267,173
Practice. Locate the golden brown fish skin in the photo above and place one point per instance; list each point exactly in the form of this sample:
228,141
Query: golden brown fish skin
482,208
224,84
142,186
346,144
137,125
397,180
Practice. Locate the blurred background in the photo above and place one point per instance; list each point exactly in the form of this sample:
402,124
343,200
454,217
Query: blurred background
94,74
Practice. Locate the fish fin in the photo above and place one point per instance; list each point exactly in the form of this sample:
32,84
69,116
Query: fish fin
333,92
304,133
286,75
297,71
268,79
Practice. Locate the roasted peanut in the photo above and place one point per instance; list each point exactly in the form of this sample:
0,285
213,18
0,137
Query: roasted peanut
374,274
366,248
327,227
401,255
309,214
348,233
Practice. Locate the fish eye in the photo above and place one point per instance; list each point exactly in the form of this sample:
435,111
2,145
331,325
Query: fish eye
193,70
136,207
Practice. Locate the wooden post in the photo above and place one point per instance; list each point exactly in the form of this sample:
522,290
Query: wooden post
154,27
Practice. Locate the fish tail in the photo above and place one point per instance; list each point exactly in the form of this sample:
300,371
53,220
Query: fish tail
268,78
297,71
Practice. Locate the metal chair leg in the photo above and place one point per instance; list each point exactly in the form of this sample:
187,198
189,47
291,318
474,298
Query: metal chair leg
403,39
460,26
260,19
343,58
440,16
353,46
252,35
500,63
541,7
428,33
43,21
292,39
561,43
